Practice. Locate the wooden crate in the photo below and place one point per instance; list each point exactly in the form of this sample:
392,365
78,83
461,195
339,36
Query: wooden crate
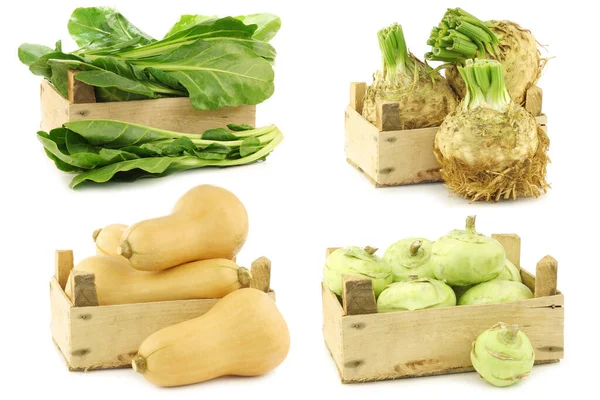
174,113
367,346
389,155
97,337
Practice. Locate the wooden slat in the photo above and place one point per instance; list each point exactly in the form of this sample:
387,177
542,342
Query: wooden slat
261,274
357,95
533,101
60,320
406,157
362,143
437,341
358,296
387,116
81,289
109,336
512,246
53,107
176,114
332,325
546,275
79,92
63,264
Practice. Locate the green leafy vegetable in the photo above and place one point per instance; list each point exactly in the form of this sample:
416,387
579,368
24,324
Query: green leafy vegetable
217,62
105,150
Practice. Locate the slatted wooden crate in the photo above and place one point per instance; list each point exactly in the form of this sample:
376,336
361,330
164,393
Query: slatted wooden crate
174,113
389,155
367,346
98,337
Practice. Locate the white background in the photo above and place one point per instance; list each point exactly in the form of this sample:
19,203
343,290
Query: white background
304,198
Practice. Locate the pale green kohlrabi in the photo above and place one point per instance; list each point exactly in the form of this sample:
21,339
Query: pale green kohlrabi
409,257
496,291
510,272
503,355
356,261
466,257
416,294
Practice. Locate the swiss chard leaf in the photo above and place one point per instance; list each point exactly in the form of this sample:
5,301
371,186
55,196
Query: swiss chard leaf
117,134
113,94
239,127
267,25
219,134
217,74
98,27
187,21
107,79
30,53
250,146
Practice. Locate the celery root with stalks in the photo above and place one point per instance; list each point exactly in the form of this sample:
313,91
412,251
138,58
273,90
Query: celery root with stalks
491,148
461,36
424,96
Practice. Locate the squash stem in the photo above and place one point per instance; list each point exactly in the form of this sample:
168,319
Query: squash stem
139,364
125,249
96,233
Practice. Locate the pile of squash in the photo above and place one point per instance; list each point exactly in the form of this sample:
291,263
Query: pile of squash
190,254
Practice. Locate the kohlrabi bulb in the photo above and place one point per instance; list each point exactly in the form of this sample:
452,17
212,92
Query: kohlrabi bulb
463,258
496,291
510,273
416,294
356,261
409,257
502,355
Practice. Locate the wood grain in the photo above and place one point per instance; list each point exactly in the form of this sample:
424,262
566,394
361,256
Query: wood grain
79,92
81,289
261,274
63,264
175,114
387,115
362,142
546,274
533,101
60,320
357,295
357,96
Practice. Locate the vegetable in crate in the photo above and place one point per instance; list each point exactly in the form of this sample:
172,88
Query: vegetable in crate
409,257
107,239
503,355
461,36
416,294
465,257
243,334
495,291
356,261
510,272
118,283
491,148
103,150
424,96
206,222
217,62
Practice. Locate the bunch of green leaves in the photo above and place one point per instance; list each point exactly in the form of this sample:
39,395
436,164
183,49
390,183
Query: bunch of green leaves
217,62
461,36
105,150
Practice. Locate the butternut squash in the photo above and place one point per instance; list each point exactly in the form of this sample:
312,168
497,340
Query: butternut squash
107,239
243,334
207,222
117,283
